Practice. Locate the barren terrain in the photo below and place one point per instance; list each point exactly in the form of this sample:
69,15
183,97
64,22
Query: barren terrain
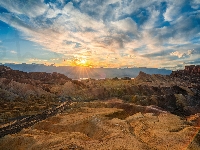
51,111
106,125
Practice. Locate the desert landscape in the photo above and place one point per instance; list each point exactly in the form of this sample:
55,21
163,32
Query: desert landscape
51,111
99,74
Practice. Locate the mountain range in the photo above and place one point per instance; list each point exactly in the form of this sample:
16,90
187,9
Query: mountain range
76,72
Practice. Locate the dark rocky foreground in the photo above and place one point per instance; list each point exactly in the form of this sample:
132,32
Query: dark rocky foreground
19,124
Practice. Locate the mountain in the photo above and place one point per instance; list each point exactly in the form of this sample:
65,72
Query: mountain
85,72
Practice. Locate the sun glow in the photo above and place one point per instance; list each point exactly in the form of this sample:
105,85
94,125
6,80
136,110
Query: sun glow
81,62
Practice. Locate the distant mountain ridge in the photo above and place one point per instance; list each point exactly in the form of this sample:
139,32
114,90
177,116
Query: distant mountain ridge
76,72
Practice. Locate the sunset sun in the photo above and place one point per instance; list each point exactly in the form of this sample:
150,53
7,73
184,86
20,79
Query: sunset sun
83,62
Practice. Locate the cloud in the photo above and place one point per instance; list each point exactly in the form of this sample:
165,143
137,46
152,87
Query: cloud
151,22
196,61
15,22
132,31
126,25
182,54
173,10
195,4
13,52
178,54
52,12
29,7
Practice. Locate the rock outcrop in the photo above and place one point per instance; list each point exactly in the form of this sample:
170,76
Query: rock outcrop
34,78
190,74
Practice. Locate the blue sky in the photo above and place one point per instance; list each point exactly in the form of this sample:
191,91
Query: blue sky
101,33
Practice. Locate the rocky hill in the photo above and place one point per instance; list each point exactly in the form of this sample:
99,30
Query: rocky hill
181,89
154,79
191,75
33,78
23,93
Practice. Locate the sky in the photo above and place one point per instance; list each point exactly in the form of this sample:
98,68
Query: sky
101,33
